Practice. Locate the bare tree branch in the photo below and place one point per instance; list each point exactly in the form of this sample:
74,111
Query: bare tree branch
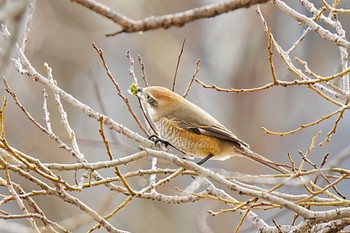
166,21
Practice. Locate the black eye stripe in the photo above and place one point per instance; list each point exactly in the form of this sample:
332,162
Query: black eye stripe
151,100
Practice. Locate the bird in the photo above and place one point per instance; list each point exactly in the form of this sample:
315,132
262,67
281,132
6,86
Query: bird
192,130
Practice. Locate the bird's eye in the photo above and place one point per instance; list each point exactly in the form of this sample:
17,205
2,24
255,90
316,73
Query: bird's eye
148,97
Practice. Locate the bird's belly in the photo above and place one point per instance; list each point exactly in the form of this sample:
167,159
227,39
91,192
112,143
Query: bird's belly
192,144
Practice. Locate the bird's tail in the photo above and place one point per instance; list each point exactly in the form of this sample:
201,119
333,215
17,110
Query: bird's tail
266,162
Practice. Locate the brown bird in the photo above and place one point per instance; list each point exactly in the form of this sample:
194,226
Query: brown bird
192,130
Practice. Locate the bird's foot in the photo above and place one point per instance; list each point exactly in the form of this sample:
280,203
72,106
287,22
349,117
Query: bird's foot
156,140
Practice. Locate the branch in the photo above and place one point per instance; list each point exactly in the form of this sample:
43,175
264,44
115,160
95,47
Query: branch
165,21
24,67
323,33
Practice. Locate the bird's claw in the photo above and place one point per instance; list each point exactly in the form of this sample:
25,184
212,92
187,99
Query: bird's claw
156,140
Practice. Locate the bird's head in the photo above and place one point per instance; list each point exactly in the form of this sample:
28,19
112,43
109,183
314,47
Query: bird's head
159,101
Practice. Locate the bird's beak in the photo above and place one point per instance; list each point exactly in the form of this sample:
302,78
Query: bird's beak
139,92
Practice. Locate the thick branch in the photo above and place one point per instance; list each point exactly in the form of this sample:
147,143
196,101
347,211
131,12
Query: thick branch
165,21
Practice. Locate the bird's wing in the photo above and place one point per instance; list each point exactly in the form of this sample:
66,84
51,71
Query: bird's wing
216,130
198,121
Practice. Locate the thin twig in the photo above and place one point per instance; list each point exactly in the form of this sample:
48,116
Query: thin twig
117,87
110,155
131,63
143,71
177,64
196,70
2,117
334,128
19,201
46,112
64,116
103,108
303,126
61,144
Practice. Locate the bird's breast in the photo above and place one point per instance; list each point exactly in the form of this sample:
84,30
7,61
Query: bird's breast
192,144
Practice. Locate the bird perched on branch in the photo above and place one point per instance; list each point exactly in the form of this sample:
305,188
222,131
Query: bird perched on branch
192,130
